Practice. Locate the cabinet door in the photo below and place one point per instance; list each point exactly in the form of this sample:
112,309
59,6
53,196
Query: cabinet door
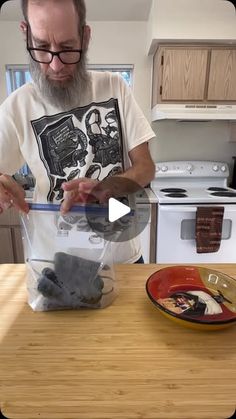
222,81
18,245
6,248
184,74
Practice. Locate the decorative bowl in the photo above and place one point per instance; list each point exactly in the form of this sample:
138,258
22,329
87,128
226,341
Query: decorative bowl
194,297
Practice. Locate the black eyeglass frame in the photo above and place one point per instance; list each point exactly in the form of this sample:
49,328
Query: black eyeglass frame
53,53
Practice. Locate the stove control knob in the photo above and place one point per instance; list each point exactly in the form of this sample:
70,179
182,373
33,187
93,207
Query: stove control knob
164,168
190,168
223,168
215,167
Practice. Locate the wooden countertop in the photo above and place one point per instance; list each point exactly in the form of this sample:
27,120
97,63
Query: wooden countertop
123,362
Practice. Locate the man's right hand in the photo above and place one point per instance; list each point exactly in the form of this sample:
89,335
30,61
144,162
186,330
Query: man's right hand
11,194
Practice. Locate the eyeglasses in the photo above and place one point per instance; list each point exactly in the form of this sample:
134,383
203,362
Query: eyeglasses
44,56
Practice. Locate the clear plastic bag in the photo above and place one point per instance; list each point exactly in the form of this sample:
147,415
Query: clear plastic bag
68,265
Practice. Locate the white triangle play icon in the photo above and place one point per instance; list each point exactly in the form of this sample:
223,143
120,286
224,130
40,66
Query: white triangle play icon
116,210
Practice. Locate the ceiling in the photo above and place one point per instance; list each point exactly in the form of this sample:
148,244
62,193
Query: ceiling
97,10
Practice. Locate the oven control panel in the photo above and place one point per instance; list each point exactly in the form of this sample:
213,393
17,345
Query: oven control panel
192,168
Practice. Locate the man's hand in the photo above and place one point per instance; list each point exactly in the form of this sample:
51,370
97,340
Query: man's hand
84,190
89,190
11,194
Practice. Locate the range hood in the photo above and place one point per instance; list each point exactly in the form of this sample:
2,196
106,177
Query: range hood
193,112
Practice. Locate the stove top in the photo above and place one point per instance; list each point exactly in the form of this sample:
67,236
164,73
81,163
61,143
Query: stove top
146,196
193,182
196,195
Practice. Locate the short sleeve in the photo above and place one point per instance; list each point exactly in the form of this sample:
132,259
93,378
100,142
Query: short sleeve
136,128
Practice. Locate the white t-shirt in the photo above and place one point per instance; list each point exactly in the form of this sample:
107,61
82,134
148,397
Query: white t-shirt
92,140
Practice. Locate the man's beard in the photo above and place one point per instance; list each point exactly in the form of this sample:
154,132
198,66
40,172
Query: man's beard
66,94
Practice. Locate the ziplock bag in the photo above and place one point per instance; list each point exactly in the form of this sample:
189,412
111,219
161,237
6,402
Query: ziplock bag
68,265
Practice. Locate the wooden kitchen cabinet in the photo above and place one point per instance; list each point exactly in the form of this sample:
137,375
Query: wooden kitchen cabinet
6,247
11,248
194,74
222,81
18,246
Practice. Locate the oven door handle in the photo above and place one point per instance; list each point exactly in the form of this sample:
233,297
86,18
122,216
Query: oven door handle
229,209
176,208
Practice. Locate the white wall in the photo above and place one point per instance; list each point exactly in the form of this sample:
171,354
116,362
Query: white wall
12,51
197,20
192,141
191,20
124,43
111,43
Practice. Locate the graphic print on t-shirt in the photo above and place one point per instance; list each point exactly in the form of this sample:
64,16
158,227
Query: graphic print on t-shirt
86,141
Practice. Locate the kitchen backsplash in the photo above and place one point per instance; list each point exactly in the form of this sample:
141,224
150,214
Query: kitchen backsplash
180,140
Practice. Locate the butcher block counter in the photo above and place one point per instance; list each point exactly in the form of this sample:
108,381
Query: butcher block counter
123,362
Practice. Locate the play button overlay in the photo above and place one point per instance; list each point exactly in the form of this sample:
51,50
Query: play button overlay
120,218
116,210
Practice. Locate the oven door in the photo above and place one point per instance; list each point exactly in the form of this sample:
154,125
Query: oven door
176,236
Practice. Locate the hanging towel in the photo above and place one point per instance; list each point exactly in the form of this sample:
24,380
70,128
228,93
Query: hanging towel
208,229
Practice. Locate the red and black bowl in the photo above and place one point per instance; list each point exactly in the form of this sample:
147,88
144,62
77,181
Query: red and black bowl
194,297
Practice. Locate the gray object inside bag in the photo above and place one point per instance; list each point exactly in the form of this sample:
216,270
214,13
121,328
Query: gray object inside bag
74,282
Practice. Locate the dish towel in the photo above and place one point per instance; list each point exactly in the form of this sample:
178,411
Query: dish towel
208,229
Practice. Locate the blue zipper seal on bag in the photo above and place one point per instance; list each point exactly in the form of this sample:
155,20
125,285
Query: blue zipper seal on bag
76,208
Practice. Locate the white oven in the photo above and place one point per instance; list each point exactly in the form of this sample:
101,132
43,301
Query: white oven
176,236
145,229
182,187
146,204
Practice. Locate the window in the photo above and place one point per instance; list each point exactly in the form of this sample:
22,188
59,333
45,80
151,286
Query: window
17,75
126,71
